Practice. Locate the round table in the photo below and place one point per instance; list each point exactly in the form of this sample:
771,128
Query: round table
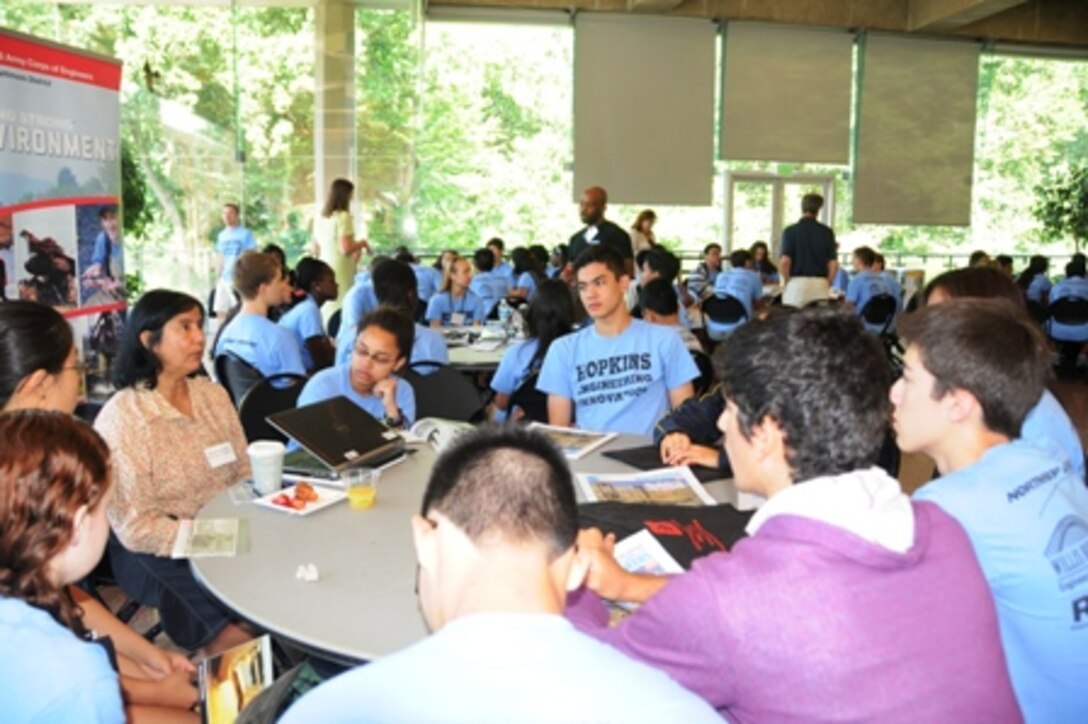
364,604
469,358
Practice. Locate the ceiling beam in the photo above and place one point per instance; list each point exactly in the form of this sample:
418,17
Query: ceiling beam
945,15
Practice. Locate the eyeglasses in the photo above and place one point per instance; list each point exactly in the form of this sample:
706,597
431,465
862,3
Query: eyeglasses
378,359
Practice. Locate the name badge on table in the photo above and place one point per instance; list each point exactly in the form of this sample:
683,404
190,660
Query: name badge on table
220,455
457,319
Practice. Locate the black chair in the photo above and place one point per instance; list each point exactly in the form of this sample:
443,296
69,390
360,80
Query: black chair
334,323
269,396
879,311
237,375
706,378
724,310
1073,312
532,401
445,393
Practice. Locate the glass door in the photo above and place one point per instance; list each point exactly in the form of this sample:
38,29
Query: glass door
758,206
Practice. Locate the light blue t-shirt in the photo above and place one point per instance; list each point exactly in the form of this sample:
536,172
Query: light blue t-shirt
1038,286
262,343
48,675
336,381
1048,424
99,256
505,271
428,280
621,383
231,243
304,321
443,306
513,370
527,281
1069,287
897,290
429,346
842,280
359,301
865,285
1026,514
490,287
503,667
743,284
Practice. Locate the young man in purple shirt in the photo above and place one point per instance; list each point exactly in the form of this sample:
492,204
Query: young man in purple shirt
848,601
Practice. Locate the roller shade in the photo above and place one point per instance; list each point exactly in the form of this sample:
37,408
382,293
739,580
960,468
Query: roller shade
786,94
916,131
644,108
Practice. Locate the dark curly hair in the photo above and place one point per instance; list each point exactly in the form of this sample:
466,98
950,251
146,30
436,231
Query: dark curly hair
821,377
51,464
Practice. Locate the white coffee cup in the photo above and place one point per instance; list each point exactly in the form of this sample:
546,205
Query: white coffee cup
266,460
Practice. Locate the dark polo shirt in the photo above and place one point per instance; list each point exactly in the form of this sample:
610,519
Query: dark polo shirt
810,245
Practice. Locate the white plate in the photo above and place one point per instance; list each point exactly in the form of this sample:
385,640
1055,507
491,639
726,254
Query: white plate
325,498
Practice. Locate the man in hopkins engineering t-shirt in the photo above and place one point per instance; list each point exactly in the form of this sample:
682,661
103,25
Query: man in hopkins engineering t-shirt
619,374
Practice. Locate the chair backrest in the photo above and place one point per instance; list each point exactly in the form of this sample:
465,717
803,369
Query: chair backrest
1037,311
724,310
532,401
237,375
445,393
334,323
1069,310
269,396
706,377
880,310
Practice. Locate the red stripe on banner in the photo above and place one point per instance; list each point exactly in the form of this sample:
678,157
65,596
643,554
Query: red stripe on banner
67,201
97,309
31,57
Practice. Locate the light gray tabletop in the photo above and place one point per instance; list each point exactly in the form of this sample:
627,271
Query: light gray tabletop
364,604
471,357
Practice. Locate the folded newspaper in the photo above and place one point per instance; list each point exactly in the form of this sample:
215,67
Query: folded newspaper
574,443
206,538
673,486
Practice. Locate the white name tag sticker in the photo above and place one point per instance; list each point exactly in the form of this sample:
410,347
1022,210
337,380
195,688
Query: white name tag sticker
457,319
220,455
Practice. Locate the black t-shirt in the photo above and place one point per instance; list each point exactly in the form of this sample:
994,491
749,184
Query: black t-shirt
608,234
810,246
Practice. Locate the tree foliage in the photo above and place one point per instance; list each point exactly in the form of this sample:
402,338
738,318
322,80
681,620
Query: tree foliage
1062,207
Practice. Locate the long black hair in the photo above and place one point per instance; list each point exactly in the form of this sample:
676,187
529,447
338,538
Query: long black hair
526,262
33,337
551,315
136,363
764,266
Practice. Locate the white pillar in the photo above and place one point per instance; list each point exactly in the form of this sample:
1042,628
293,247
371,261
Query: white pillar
334,97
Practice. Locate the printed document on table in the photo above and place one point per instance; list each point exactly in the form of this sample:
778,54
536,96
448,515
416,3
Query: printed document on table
573,442
671,486
642,553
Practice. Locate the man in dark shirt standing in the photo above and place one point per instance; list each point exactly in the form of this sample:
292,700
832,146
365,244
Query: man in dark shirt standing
598,230
808,262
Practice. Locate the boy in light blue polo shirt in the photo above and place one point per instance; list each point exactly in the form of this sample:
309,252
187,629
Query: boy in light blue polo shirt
395,286
973,370
251,336
618,374
359,301
488,284
742,283
866,284
233,239
1075,285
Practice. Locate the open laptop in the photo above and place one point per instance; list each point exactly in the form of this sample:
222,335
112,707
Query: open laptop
335,434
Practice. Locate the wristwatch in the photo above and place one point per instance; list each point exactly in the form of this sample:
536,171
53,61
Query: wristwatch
395,421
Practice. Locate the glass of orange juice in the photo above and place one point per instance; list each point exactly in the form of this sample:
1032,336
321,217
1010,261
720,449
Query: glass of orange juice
362,486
